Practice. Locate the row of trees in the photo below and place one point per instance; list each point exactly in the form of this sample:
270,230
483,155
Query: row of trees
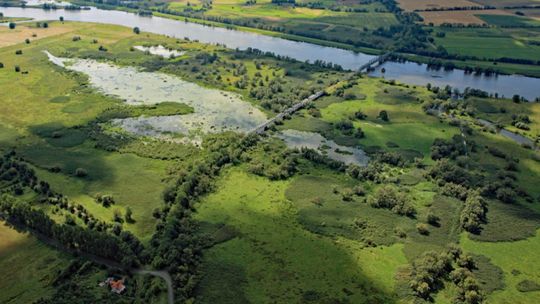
177,244
19,177
73,237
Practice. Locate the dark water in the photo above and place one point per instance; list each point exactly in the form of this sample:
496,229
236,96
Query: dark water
409,72
419,74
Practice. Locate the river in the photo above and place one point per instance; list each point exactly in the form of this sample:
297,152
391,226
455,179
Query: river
408,72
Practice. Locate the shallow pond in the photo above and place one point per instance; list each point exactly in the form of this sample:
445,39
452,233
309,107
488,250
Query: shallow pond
301,139
159,50
214,110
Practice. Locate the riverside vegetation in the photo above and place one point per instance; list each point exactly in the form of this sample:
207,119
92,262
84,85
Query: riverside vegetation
502,40
446,210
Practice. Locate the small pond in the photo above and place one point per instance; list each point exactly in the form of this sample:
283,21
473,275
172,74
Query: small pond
159,50
301,139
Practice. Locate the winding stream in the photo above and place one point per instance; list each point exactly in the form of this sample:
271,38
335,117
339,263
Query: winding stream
408,72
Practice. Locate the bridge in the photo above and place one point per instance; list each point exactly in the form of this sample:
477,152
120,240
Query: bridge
375,60
297,106
289,111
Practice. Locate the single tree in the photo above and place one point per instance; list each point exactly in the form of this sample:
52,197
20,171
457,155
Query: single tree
137,30
129,215
383,115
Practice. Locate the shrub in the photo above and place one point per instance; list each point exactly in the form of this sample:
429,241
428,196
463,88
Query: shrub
12,25
360,115
388,197
349,96
117,216
80,172
433,220
506,195
422,228
383,115
473,213
528,286
105,200
455,190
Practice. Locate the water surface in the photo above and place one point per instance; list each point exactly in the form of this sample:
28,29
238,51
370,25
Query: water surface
41,2
420,74
311,140
407,72
214,110
159,50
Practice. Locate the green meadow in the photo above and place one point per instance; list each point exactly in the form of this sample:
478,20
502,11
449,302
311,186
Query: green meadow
271,224
491,43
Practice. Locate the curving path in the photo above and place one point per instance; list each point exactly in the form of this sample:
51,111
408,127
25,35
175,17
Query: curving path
162,274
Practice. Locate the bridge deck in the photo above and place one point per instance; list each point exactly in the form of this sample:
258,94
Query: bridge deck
297,106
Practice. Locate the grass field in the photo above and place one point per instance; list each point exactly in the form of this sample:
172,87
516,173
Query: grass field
490,42
517,260
332,25
462,17
506,3
299,239
50,104
273,258
412,5
509,21
532,13
408,127
28,267
501,112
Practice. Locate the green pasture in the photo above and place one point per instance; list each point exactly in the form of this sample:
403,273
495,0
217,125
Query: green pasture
519,262
409,127
272,257
509,21
28,266
490,42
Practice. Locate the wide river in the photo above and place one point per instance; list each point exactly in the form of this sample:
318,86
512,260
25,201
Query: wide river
409,72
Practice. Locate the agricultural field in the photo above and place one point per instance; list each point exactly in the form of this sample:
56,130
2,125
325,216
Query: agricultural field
490,42
350,23
421,5
463,17
507,3
121,161
532,13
